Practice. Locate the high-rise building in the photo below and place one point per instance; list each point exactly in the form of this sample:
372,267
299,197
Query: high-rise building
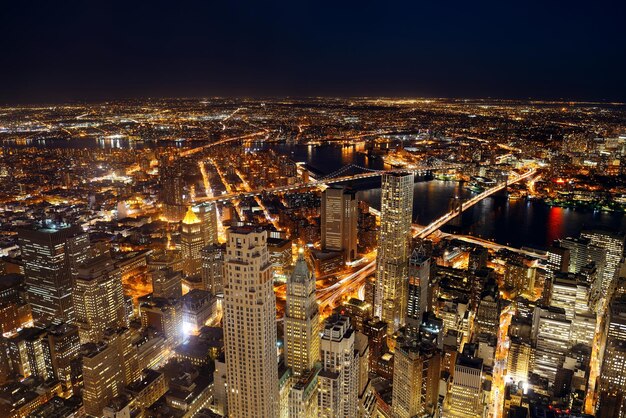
167,283
29,352
518,361
98,299
338,379
303,395
613,243
339,221
419,277
558,258
51,256
416,372
213,268
582,252
465,394
171,179
191,242
553,339
488,313
102,376
302,342
393,250
250,325
207,213
64,342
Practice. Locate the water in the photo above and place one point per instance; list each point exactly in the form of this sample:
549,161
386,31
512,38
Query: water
512,222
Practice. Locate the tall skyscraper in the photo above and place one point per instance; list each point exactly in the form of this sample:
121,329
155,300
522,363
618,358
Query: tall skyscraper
613,243
419,277
302,326
393,249
582,252
51,256
464,398
64,343
207,213
102,376
213,268
416,372
553,339
339,221
338,379
250,325
98,299
191,242
171,179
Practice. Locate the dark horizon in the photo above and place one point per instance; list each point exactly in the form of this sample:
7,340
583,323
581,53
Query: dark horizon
87,52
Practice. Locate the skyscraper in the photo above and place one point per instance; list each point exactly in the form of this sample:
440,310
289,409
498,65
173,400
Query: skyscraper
393,250
212,268
102,376
613,243
170,175
415,379
207,213
464,397
419,277
98,299
339,221
250,325
338,379
302,342
191,242
553,335
51,255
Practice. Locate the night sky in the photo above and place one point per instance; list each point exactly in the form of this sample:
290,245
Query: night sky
55,51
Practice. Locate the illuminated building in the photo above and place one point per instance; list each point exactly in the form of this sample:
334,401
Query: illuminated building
166,283
488,313
170,174
98,299
393,249
419,277
613,243
64,343
518,277
191,242
15,312
29,352
207,214
51,256
303,396
339,221
213,268
148,389
415,379
338,378
376,332
582,252
558,258
302,343
280,256
553,339
123,340
250,325
163,315
465,395
21,399
357,310
519,359
197,307
102,376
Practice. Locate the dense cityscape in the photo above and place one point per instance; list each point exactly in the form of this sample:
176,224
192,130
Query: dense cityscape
364,257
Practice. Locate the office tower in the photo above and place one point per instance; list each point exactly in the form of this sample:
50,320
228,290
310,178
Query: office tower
584,328
464,399
582,252
302,343
207,213
338,378
558,258
51,255
393,250
191,242
488,312
171,179
613,243
339,221
304,396
122,340
417,302
616,321
163,315
167,283
376,332
570,292
553,339
29,352
357,310
250,325
64,343
98,299
518,361
518,277
416,372
102,376
213,268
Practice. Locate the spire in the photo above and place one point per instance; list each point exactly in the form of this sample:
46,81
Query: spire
191,217
301,272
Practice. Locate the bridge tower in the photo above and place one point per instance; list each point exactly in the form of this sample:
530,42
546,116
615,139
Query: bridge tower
455,206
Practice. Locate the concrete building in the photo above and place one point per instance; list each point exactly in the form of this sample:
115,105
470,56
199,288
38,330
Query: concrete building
191,242
339,221
417,292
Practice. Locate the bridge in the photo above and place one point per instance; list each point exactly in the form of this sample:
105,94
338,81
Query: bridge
337,176
438,223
